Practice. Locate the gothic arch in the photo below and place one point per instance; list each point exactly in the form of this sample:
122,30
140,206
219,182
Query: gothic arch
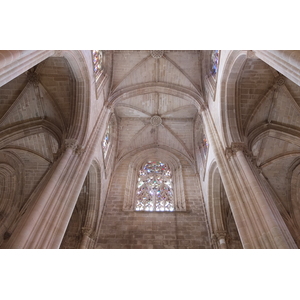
94,197
157,87
230,76
86,214
29,128
222,223
289,135
11,199
174,152
82,102
214,199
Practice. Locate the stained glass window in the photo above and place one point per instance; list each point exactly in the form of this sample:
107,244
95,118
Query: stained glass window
106,141
214,62
155,188
204,144
97,61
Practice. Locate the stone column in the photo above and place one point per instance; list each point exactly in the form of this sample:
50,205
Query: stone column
271,231
259,225
44,222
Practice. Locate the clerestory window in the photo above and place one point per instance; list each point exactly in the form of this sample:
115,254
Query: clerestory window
98,58
154,188
214,62
106,141
97,62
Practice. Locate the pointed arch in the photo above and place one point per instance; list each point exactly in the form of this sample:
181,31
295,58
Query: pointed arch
232,68
82,94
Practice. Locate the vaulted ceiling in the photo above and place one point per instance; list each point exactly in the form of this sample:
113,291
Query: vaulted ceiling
268,117
153,116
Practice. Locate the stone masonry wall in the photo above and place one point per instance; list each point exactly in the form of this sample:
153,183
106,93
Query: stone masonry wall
153,230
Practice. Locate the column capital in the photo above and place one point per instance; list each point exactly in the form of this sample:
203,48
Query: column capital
236,147
222,238
73,144
79,150
221,235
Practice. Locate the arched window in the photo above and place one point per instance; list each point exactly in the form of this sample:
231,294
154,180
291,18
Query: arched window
97,62
204,146
98,58
106,141
154,182
154,187
214,62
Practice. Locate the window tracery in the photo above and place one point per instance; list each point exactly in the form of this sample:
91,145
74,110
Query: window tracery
154,188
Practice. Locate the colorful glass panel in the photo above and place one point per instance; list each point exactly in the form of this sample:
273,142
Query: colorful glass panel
204,145
214,62
97,61
106,141
155,188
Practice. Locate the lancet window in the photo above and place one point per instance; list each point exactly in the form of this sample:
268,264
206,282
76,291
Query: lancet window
97,62
214,62
106,141
204,145
154,188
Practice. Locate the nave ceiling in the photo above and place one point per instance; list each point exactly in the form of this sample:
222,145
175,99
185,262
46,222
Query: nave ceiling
156,98
151,115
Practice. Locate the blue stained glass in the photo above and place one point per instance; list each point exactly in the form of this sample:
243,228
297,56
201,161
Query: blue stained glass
106,141
214,62
97,61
